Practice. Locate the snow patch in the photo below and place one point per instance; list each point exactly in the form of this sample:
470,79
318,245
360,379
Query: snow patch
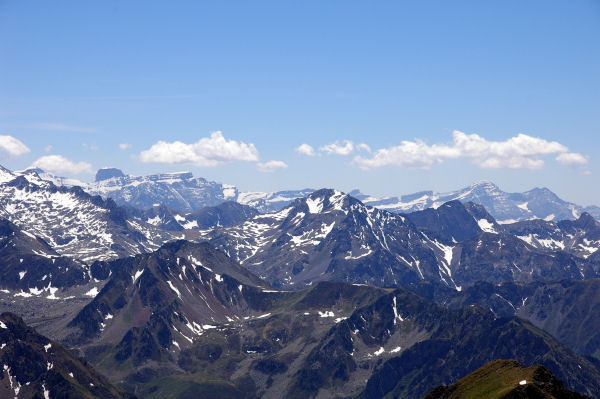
326,313
486,226
174,289
137,275
314,205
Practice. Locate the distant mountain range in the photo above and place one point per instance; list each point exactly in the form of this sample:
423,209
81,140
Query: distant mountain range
538,203
185,193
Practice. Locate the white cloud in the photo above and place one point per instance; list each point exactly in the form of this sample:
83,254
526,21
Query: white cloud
518,152
124,146
208,151
306,149
571,159
415,154
271,166
48,148
336,148
363,147
60,164
13,146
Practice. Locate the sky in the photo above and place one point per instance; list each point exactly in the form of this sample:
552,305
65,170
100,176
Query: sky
389,97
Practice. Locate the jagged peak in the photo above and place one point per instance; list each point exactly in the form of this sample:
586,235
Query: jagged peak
326,199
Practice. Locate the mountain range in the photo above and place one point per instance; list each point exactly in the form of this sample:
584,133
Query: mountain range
187,319
185,193
332,236
538,203
314,294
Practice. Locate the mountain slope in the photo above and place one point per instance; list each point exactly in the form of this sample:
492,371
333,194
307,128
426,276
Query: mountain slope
331,236
157,304
506,379
328,340
579,237
454,221
257,356
30,265
223,215
567,309
463,340
158,307
35,367
72,222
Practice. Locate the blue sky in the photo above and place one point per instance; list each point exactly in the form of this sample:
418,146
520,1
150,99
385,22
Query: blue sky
408,84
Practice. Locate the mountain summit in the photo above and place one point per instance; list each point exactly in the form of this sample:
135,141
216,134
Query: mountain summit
108,173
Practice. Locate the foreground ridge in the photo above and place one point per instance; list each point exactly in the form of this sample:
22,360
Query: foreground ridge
506,379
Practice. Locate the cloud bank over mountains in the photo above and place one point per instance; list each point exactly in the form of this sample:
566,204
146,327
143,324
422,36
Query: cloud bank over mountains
518,152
